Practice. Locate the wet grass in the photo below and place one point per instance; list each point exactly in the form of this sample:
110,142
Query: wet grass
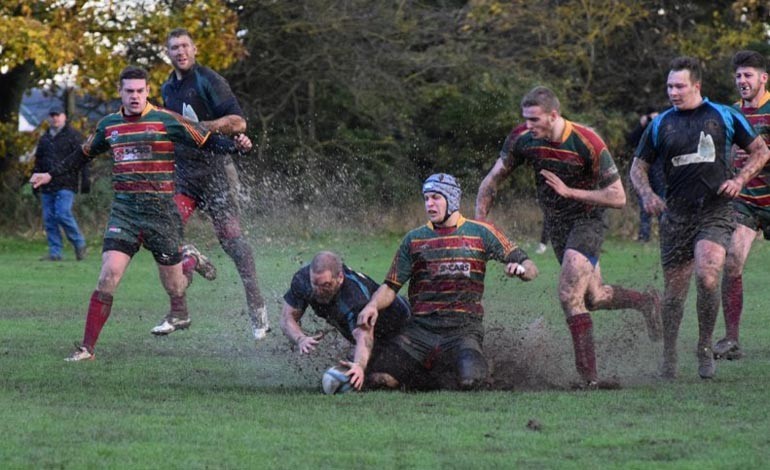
208,398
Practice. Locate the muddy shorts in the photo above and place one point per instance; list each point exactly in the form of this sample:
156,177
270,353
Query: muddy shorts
582,235
424,354
752,217
207,183
146,220
680,231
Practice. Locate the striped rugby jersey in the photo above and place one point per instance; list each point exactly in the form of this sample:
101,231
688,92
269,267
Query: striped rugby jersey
581,159
445,267
756,192
143,149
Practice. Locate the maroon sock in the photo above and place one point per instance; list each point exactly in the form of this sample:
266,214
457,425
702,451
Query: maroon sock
623,297
733,305
188,266
179,307
98,312
581,327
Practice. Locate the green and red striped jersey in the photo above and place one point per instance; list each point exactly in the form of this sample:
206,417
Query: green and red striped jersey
143,148
581,159
445,267
756,193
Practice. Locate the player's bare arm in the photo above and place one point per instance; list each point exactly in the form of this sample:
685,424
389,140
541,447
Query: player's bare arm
488,188
652,203
290,318
230,125
363,351
758,157
382,298
611,195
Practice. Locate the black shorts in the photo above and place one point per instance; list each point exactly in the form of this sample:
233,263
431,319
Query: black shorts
582,235
680,231
206,182
152,222
424,354
752,217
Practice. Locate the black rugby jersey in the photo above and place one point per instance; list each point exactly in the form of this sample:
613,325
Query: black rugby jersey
695,146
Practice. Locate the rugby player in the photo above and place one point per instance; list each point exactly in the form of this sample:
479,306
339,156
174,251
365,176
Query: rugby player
337,294
752,206
204,181
141,138
445,263
694,138
576,180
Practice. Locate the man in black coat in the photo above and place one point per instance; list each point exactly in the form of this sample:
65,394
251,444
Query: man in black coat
58,196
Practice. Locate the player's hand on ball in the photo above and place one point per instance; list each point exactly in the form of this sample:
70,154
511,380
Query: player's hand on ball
307,344
355,372
243,143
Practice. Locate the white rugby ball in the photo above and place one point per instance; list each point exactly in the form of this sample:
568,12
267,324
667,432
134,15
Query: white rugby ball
335,381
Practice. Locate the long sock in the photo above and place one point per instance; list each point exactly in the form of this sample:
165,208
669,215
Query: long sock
623,297
581,327
99,309
732,303
708,309
179,307
188,267
240,252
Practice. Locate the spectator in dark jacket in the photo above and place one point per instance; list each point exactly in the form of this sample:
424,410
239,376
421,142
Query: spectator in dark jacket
58,197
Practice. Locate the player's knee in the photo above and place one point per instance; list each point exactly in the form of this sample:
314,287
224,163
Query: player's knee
472,369
376,380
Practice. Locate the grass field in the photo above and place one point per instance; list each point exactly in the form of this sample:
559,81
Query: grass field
208,398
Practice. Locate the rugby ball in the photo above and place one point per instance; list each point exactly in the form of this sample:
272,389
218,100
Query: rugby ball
335,381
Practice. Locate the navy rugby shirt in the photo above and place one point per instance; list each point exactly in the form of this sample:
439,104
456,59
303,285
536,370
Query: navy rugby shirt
201,95
342,311
695,146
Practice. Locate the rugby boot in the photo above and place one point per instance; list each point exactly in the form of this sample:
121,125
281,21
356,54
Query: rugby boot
259,323
727,349
706,364
652,315
170,325
203,264
81,353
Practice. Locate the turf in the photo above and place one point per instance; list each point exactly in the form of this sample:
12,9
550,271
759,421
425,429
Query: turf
209,398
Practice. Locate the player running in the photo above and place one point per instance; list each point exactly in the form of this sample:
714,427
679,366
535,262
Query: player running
141,138
576,180
752,206
202,180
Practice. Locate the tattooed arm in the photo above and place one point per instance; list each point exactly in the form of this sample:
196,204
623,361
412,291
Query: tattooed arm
488,188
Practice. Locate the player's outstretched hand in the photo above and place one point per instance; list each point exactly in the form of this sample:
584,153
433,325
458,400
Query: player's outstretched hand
307,344
368,316
731,188
243,143
39,179
355,372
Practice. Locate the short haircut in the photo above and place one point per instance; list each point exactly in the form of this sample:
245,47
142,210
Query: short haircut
543,97
751,59
326,261
177,33
133,73
691,64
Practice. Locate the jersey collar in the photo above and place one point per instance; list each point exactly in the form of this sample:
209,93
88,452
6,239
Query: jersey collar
460,222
